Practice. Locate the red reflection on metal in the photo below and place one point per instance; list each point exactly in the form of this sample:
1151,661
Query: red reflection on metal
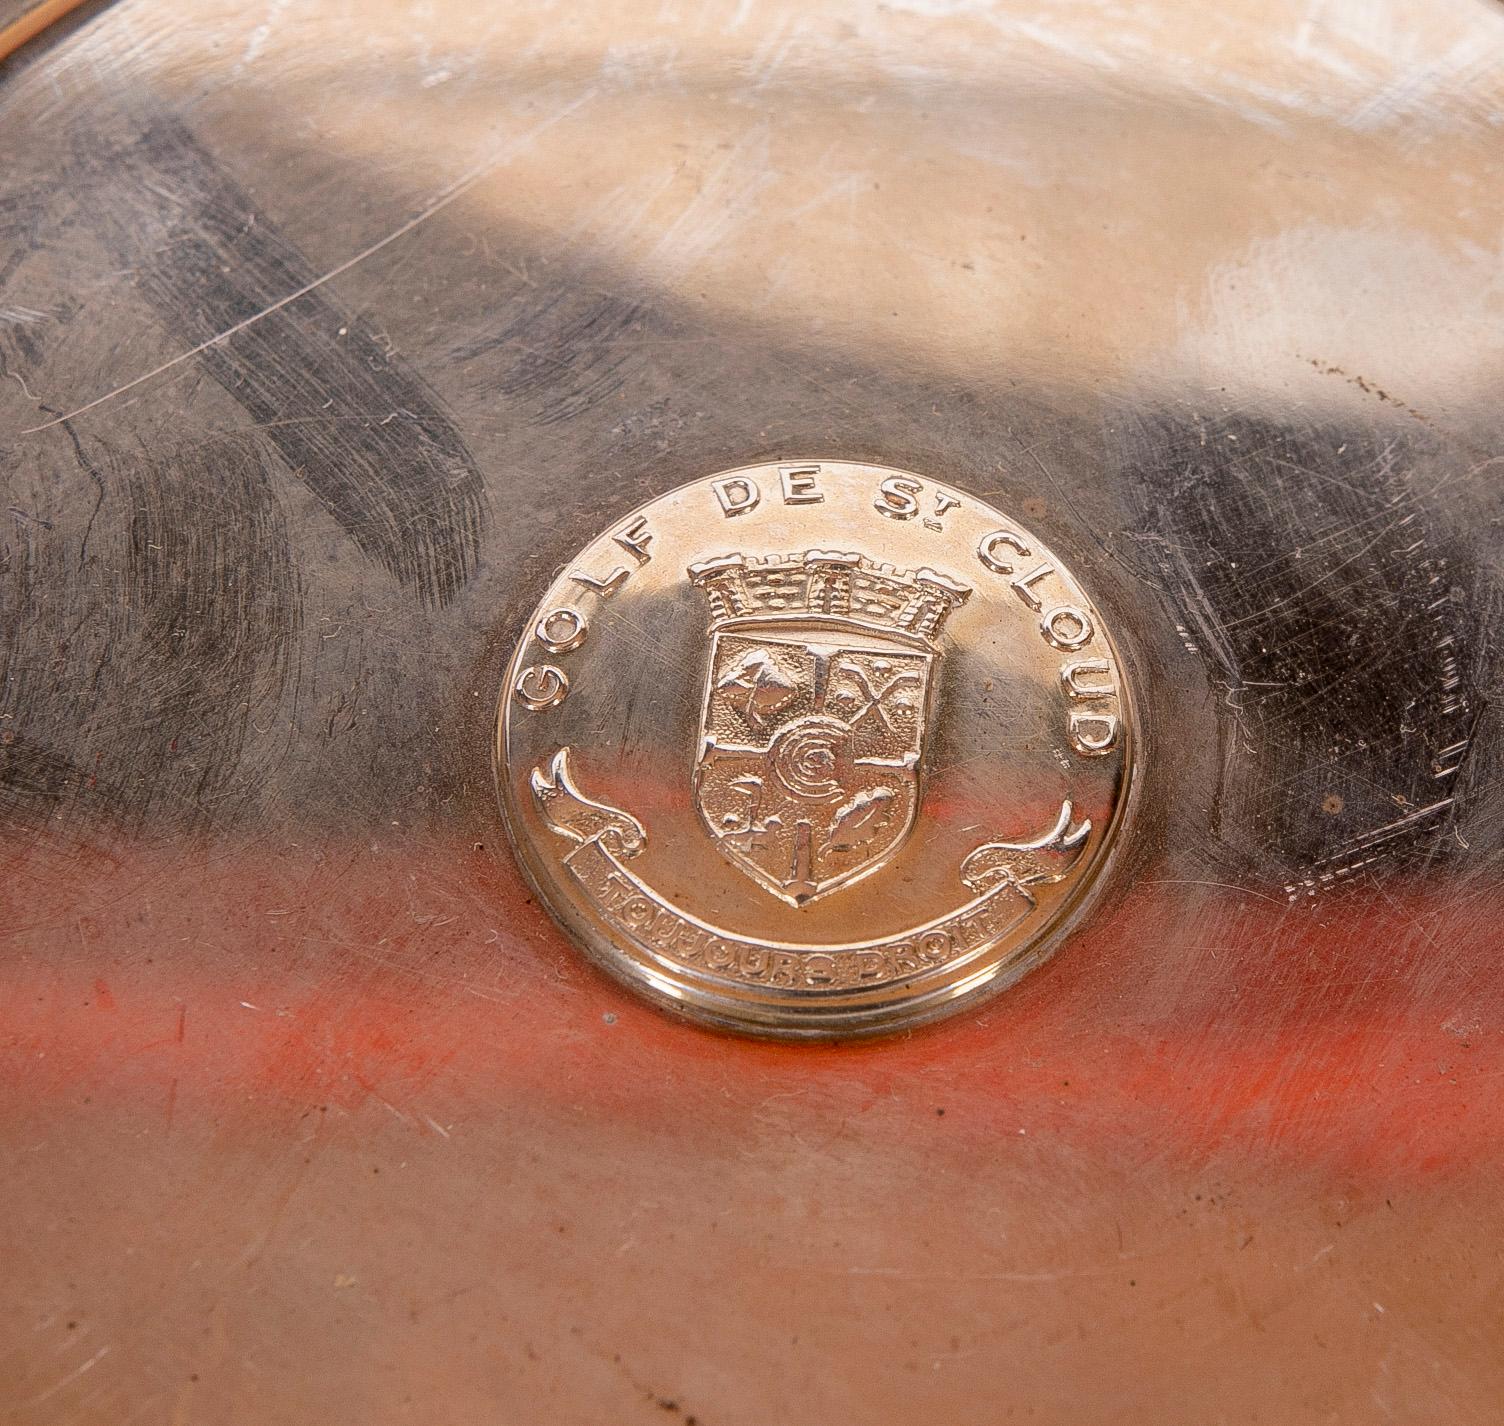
1361,1032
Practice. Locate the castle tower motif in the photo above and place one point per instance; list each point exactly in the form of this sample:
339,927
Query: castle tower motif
829,586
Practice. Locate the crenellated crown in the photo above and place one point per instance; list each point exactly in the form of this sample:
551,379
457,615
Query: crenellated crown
829,586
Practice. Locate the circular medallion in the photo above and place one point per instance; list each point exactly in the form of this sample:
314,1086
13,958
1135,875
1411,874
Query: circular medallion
815,748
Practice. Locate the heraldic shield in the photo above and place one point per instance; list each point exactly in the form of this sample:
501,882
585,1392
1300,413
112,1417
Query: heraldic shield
815,711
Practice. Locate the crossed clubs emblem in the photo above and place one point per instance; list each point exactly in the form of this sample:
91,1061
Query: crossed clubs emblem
875,690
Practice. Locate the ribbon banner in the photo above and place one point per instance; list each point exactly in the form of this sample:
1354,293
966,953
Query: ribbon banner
998,873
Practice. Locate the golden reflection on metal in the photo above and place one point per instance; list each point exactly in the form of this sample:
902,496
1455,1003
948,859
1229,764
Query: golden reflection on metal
31,22
780,684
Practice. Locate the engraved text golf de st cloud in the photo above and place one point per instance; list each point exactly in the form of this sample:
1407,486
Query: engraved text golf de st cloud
819,688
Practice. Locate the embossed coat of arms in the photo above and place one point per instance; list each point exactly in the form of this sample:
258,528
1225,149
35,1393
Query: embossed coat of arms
826,673
814,715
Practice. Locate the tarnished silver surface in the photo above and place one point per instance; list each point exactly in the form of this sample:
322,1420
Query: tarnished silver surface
331,334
